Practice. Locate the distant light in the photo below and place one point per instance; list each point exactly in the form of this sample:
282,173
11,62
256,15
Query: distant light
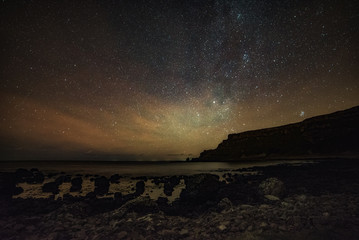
302,113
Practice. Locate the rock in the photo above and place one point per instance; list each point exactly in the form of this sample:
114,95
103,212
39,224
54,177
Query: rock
122,235
76,184
52,187
31,177
272,186
30,228
18,190
118,196
200,188
162,201
140,205
169,184
63,179
91,195
101,185
52,236
222,227
263,225
23,175
332,134
168,189
68,197
39,177
115,178
18,227
271,197
81,234
301,198
243,226
184,232
140,188
224,204
264,206
246,206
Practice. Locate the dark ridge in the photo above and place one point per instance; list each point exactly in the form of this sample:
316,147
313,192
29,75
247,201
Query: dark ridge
334,135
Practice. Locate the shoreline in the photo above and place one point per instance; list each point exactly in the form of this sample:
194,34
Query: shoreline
315,200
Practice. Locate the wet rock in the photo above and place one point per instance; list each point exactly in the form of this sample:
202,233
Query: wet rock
224,205
52,187
168,189
38,177
101,185
118,196
200,188
68,197
272,186
141,205
18,190
90,195
122,235
271,197
184,232
63,179
301,198
30,228
23,175
115,178
140,188
51,175
76,184
222,227
7,185
169,184
162,201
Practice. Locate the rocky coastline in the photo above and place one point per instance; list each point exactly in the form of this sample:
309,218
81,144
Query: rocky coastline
325,136
308,201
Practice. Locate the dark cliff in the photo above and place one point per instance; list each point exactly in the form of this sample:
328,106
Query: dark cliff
331,135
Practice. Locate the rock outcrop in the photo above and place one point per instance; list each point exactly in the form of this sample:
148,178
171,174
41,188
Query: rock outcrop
331,135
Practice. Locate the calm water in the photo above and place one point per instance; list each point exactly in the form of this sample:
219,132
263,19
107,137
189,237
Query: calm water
134,168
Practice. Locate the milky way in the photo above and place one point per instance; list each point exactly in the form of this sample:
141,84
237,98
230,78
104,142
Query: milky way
164,80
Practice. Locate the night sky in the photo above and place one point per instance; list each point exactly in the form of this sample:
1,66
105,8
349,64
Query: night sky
164,80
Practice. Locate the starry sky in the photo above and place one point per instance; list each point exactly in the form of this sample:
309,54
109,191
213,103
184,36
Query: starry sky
164,80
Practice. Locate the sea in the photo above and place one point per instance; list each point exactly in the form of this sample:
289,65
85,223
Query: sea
135,169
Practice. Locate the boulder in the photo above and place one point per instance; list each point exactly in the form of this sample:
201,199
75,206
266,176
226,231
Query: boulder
271,197
18,190
140,188
224,205
115,178
32,177
200,188
8,185
76,184
168,189
169,184
101,185
141,205
272,186
52,187
63,179
23,175
117,196
38,177
162,201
